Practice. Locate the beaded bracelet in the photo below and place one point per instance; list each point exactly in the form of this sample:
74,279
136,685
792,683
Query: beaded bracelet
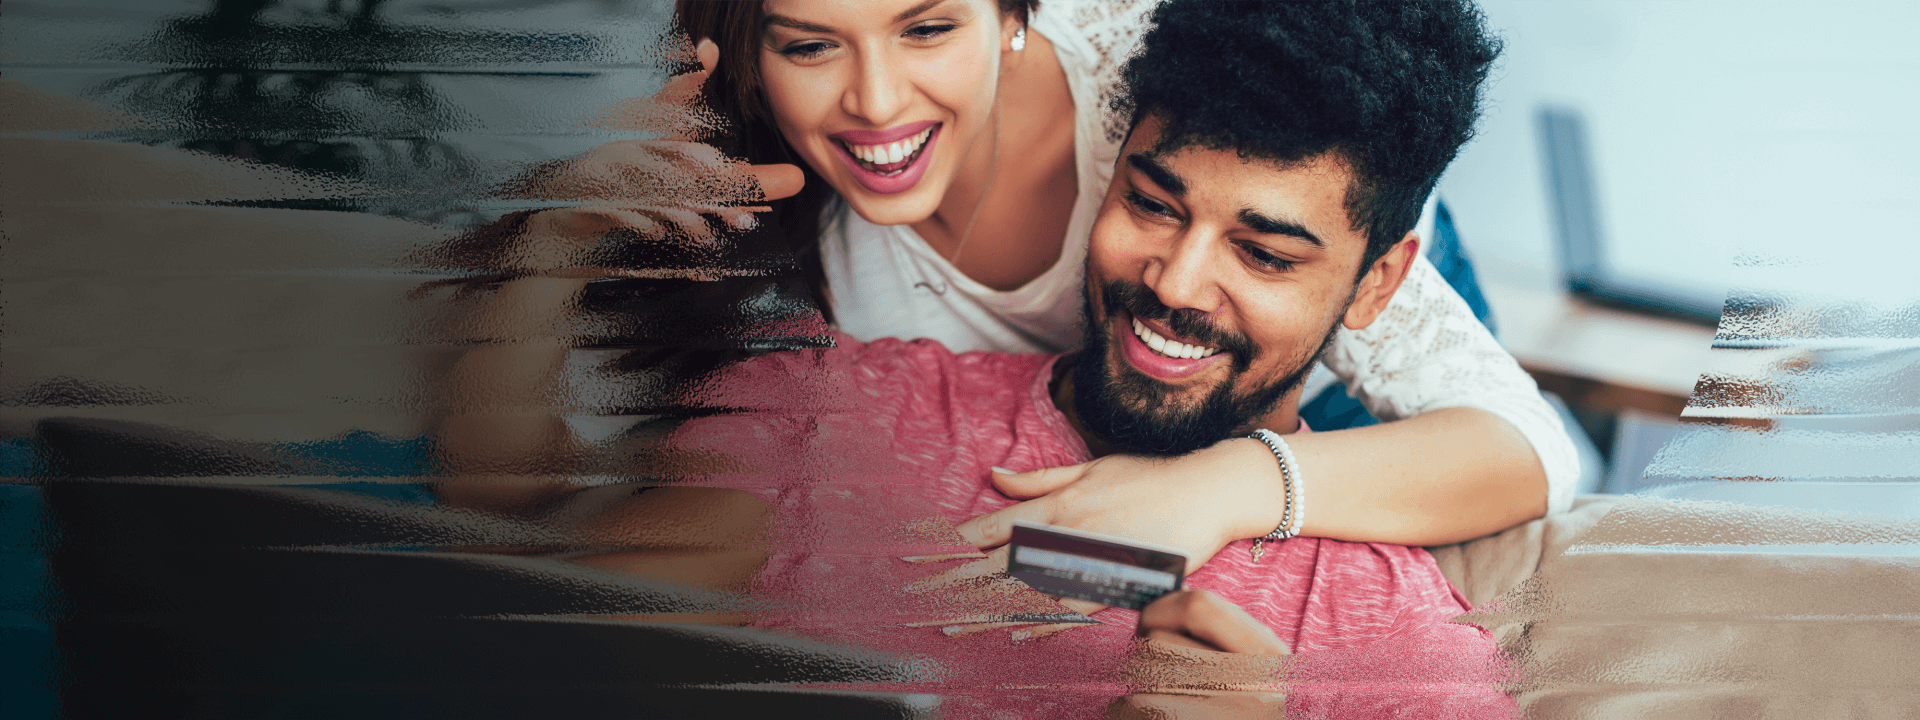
1290,518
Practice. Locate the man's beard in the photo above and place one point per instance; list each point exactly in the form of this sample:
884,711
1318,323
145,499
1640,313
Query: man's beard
1126,408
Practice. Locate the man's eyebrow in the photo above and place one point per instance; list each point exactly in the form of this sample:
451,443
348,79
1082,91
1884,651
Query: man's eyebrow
1269,226
1158,173
916,10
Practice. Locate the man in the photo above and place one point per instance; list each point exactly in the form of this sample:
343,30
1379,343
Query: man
1275,167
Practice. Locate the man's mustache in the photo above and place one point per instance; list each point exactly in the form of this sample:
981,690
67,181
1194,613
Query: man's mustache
1144,304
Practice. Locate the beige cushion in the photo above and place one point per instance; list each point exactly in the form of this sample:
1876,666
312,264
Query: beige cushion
1486,568
1688,609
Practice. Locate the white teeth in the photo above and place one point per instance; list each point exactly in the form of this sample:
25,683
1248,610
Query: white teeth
1170,348
888,153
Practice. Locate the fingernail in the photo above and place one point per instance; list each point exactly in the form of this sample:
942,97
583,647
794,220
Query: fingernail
944,557
1002,471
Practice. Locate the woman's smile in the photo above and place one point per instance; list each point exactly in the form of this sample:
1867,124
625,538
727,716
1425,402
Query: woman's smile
888,161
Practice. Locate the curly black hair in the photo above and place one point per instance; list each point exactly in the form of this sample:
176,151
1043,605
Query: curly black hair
1392,88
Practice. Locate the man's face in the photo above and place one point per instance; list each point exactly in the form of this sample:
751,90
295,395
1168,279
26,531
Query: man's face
1212,284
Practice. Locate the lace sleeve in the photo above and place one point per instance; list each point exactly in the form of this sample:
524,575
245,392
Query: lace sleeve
1426,351
1107,33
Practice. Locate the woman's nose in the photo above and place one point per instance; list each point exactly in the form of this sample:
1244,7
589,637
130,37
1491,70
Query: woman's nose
880,92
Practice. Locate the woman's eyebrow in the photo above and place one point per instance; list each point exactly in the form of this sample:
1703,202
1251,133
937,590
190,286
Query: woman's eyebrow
917,9
784,21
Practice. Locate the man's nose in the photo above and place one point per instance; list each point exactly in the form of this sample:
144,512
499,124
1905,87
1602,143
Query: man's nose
1185,275
879,92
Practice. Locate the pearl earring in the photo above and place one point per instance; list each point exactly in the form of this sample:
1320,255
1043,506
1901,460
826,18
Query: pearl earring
1019,39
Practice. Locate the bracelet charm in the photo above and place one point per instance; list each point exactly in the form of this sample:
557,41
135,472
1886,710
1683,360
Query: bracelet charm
1291,515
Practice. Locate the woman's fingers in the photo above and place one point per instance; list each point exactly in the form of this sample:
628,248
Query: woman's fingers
1199,618
1028,485
708,54
682,89
779,181
994,529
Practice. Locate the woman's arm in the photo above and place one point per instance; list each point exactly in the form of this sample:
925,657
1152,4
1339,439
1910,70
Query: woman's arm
1427,351
1442,477
1449,475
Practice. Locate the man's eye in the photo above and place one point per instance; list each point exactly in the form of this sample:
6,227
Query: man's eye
929,32
1147,205
805,50
1266,259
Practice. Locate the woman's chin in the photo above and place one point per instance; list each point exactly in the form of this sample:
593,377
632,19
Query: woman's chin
904,208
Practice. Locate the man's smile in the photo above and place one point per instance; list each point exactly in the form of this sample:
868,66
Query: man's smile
1158,353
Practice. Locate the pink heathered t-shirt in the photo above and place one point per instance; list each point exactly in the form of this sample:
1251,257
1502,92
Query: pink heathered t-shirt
871,452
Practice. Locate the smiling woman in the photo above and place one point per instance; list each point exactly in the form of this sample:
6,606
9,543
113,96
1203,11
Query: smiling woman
885,108
956,156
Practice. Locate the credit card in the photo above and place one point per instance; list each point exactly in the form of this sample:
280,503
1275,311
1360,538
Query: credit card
1089,566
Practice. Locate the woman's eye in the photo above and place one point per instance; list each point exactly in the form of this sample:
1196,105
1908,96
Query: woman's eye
929,32
805,50
1147,205
1266,259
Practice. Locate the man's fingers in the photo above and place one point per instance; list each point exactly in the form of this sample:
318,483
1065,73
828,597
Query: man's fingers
1084,607
994,529
779,181
1208,706
1180,639
1028,485
1210,619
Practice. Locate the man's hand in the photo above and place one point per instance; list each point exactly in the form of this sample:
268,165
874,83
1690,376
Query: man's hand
1200,619
1197,502
1199,643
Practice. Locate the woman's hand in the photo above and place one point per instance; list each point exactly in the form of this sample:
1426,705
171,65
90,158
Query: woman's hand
1197,502
631,208
672,188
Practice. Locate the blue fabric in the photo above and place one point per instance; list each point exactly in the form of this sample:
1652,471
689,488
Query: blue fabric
29,656
1450,258
1333,409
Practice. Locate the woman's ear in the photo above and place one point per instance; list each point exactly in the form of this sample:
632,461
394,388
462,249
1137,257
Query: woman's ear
1013,33
1377,286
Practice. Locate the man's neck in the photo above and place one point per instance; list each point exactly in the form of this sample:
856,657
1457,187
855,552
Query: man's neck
1284,419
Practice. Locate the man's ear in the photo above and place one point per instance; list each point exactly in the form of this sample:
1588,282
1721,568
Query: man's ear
1376,288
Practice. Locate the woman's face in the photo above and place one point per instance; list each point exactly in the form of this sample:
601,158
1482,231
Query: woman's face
885,98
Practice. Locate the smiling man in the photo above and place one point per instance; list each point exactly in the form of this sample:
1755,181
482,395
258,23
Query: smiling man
1214,280
1276,164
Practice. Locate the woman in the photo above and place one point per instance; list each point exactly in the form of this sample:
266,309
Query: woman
955,153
